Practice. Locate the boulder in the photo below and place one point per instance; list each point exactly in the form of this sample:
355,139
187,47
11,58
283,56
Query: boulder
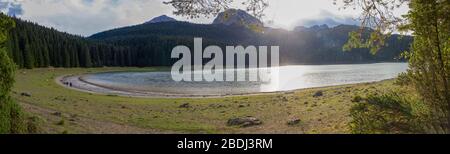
294,122
26,94
318,94
59,114
244,121
185,105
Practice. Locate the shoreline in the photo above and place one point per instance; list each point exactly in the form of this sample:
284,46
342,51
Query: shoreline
82,85
79,84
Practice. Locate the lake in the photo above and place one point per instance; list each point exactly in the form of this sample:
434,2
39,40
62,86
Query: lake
288,78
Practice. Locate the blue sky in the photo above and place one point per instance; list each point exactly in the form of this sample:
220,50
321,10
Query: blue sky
86,17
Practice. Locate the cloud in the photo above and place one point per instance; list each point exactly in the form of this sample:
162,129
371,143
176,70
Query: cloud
15,10
86,17
11,7
327,18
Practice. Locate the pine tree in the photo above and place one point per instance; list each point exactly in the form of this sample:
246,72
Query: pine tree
11,117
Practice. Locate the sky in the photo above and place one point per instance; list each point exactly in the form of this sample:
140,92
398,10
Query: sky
87,17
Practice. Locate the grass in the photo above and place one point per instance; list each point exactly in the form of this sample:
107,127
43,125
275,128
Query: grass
96,113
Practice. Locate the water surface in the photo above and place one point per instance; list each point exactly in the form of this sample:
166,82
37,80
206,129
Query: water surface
288,78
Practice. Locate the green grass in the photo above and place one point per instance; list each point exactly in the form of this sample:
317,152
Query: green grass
326,114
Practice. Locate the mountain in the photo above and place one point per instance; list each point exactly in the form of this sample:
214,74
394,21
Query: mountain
32,45
162,18
323,45
318,44
237,17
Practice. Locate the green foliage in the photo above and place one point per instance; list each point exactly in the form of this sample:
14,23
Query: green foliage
61,122
429,57
12,119
357,99
11,116
388,113
34,124
7,67
403,79
5,25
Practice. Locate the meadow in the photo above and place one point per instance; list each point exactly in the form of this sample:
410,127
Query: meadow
57,109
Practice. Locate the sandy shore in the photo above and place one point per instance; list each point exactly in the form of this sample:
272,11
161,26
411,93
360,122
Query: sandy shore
76,82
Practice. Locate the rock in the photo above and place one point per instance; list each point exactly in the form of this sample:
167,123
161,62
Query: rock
318,94
237,17
185,105
59,114
244,121
26,94
294,122
217,106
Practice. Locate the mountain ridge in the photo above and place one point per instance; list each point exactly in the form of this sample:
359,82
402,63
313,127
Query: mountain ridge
159,19
143,45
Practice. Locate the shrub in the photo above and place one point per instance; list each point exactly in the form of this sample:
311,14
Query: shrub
357,98
384,114
11,117
403,79
34,124
61,122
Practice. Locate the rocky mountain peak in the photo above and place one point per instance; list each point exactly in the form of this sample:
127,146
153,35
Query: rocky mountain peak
163,18
237,17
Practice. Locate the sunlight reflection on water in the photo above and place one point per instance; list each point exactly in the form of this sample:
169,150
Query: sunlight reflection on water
288,78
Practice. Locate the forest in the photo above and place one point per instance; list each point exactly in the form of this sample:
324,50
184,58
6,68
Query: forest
33,46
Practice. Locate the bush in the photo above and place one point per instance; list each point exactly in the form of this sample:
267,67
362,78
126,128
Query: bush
11,115
11,118
385,114
357,99
34,124
61,122
403,79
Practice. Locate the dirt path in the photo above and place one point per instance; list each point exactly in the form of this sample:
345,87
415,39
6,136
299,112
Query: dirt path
80,125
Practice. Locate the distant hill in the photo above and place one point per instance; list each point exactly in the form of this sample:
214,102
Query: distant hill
323,45
151,43
318,44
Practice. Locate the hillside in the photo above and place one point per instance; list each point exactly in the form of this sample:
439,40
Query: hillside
31,45
314,45
150,44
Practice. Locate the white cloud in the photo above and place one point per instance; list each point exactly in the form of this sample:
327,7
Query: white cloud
329,19
86,17
11,7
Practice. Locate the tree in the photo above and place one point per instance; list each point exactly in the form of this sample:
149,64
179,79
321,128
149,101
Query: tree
7,67
377,15
11,117
429,56
197,8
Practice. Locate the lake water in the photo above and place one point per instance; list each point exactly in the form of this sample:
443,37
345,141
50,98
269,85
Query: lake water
288,78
